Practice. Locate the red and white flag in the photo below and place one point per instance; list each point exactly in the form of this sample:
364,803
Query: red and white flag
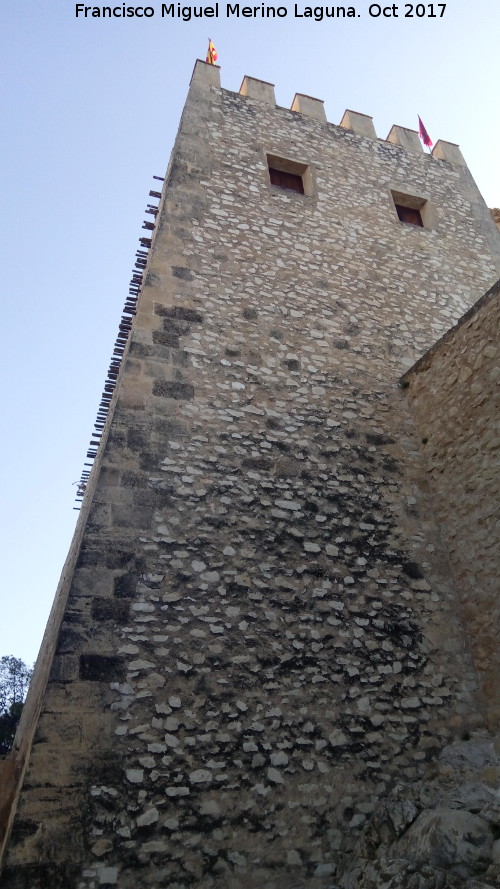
211,54
424,135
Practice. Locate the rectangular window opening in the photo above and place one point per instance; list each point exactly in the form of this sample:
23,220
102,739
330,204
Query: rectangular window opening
292,181
409,214
289,175
413,210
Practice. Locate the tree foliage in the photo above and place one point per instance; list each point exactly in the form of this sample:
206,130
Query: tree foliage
15,678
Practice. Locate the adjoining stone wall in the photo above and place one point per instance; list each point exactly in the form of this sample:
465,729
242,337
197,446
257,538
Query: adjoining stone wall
262,635
454,396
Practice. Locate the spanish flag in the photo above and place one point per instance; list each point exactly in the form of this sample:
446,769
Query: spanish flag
211,54
424,135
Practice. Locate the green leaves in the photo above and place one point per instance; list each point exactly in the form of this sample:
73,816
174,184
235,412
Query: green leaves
15,678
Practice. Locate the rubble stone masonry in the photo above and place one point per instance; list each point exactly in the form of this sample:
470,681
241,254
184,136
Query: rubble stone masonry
262,637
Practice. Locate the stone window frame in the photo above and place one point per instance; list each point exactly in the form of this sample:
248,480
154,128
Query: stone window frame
296,168
423,206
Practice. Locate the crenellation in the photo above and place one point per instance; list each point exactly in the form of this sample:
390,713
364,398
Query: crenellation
408,139
309,106
361,124
258,89
448,151
205,75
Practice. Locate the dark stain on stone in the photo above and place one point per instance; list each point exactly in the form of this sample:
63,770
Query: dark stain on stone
376,439
173,389
69,640
132,479
139,350
179,312
107,769
181,272
250,314
24,828
43,876
125,586
390,464
152,280
274,423
116,610
413,570
166,338
101,668
176,326
257,463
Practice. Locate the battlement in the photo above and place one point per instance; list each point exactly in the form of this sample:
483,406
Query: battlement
206,75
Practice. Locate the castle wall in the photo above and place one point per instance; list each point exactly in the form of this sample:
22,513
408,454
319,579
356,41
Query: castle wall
453,394
262,634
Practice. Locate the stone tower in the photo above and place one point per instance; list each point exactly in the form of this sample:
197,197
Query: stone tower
259,636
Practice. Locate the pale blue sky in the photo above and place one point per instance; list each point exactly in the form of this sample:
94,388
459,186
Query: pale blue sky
90,108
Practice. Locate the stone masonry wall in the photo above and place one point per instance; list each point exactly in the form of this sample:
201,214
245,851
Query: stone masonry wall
262,635
453,394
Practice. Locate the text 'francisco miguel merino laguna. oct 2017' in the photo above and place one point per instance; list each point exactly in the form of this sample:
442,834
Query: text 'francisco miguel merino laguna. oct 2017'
237,10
